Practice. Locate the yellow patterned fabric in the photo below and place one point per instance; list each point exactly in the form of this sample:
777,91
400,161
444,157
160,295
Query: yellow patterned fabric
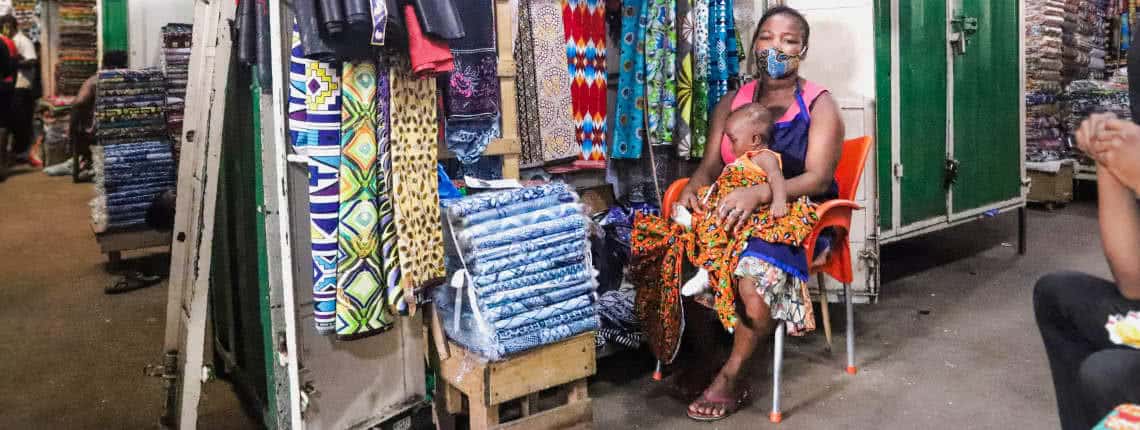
415,186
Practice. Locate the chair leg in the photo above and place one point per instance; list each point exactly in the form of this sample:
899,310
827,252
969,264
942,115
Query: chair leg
657,375
777,363
849,298
824,312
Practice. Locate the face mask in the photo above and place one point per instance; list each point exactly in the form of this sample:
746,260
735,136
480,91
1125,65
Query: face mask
776,63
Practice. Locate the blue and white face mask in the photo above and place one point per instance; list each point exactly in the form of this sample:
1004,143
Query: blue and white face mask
776,63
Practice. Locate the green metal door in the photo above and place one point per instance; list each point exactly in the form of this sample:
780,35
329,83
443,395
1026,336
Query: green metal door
922,108
987,112
114,25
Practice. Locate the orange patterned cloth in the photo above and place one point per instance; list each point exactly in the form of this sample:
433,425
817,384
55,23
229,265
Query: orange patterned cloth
659,247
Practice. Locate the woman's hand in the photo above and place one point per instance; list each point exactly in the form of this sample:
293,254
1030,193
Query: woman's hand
1117,149
689,199
735,208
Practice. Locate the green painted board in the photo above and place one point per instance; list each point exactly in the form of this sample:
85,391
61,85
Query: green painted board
987,108
883,110
922,97
115,31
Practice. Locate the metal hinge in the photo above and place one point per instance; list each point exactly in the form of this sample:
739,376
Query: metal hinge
897,170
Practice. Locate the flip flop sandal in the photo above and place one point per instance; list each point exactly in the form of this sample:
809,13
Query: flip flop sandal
131,282
730,405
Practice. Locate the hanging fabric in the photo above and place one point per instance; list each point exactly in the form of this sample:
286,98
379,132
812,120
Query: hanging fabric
629,130
379,21
584,22
660,31
429,56
441,19
332,12
546,127
360,306
699,119
386,212
314,122
724,58
683,134
415,131
471,95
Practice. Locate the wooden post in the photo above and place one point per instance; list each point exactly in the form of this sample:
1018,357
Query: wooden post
193,234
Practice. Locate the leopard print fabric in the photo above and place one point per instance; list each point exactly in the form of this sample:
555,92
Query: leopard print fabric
415,186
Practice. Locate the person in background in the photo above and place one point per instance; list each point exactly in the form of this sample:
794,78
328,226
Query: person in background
8,57
1094,371
81,129
23,97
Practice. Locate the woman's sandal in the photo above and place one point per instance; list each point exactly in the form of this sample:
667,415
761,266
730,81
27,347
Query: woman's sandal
132,281
729,405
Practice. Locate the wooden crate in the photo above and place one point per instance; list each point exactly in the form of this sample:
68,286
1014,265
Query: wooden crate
113,244
487,386
1052,188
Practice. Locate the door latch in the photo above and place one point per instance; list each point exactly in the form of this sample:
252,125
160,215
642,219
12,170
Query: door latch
961,28
951,171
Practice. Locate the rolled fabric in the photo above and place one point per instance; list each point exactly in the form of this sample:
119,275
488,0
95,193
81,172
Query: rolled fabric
429,56
440,18
313,45
358,13
246,28
332,12
264,62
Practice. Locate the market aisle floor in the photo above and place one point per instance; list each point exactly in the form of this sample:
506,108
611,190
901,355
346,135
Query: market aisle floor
952,343
71,356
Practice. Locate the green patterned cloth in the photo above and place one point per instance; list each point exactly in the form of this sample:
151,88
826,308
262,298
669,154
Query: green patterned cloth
661,68
360,306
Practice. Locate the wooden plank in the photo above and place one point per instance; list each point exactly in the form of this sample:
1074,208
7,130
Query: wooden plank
191,251
579,391
577,415
464,369
130,240
540,369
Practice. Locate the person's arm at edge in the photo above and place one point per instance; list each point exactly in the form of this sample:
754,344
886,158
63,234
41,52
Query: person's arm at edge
1120,232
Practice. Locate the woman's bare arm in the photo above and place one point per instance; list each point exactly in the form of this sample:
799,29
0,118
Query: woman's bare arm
1120,232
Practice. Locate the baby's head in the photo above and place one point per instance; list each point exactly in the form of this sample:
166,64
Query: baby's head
749,128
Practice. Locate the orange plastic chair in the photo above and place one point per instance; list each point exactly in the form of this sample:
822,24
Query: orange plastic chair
832,213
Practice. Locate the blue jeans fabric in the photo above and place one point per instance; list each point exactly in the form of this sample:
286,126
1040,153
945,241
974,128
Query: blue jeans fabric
552,275
506,310
527,247
536,315
491,227
487,201
486,267
534,231
529,269
500,298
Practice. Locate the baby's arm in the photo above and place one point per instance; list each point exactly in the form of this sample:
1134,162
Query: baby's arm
767,161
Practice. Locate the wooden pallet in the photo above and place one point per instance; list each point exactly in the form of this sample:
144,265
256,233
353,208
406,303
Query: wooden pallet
524,380
114,243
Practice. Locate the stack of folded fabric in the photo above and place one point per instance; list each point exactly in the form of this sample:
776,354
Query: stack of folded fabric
1085,97
77,49
130,105
528,279
56,116
1044,20
127,180
176,40
1094,16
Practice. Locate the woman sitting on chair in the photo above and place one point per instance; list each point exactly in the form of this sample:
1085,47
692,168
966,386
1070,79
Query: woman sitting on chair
809,139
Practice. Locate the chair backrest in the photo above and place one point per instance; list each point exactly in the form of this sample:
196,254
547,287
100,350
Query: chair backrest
851,164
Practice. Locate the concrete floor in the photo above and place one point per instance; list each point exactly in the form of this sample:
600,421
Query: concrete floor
72,357
951,345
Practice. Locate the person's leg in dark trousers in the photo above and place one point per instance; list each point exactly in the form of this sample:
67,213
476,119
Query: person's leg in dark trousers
1110,378
1071,310
23,113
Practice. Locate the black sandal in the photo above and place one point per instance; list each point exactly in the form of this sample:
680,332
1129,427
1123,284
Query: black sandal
132,281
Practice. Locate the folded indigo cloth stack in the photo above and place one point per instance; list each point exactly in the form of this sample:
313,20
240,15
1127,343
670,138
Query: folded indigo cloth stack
527,278
176,41
128,178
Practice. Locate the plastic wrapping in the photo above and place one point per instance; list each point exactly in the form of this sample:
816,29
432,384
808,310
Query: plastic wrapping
521,268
